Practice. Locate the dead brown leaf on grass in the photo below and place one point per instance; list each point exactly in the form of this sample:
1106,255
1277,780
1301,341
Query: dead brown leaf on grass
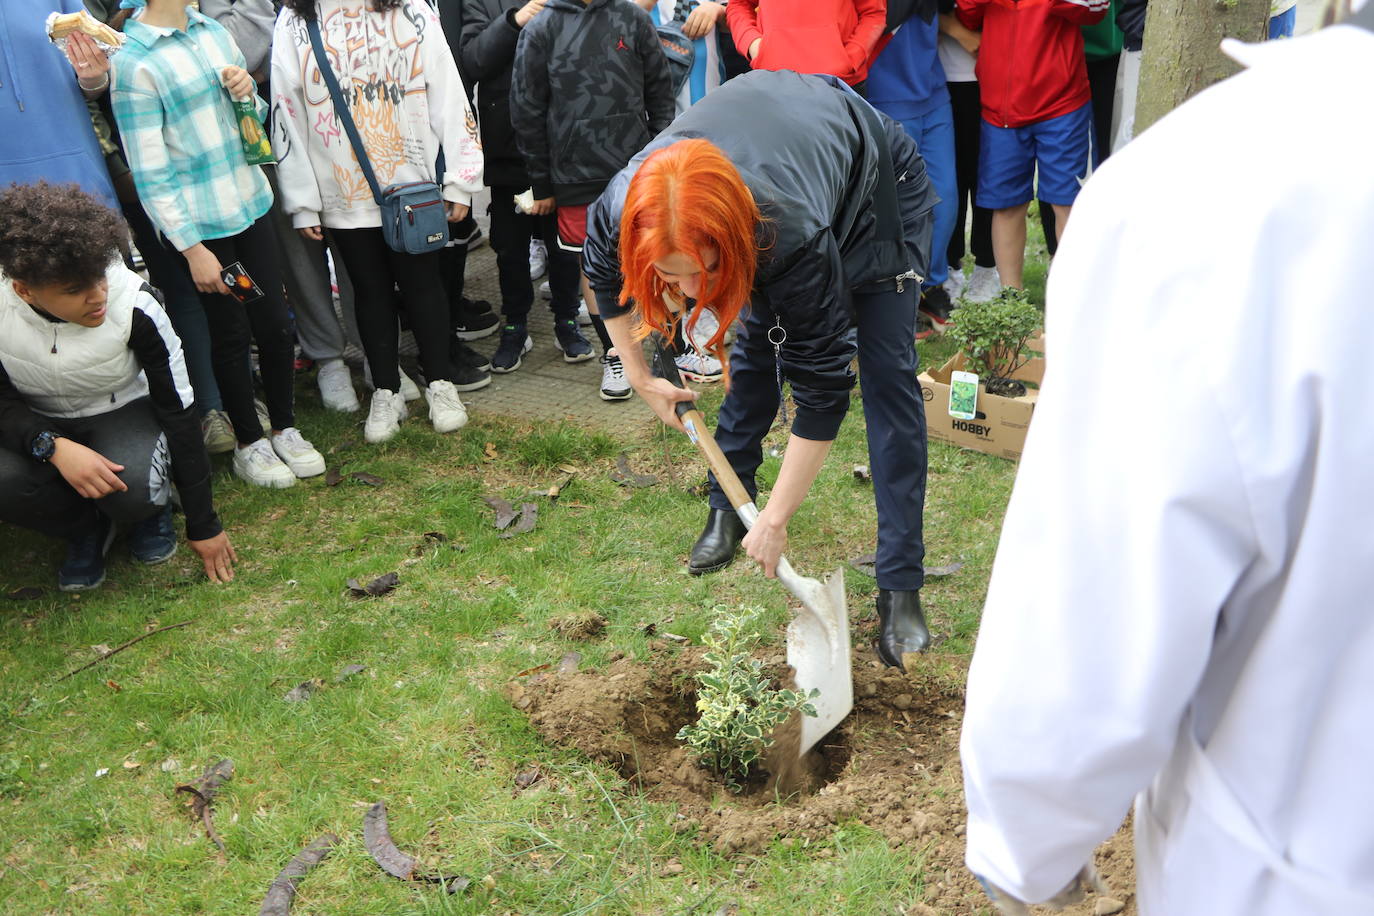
303,691
202,792
626,476
528,776
382,585
377,838
372,480
505,512
283,889
27,593
529,514
334,476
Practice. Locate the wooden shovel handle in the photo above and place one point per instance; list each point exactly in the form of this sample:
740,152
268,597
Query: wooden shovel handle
720,466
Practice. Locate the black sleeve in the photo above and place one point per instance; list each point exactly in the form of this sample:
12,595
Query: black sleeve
529,108
1130,19
601,250
18,423
451,20
488,41
158,351
659,99
808,294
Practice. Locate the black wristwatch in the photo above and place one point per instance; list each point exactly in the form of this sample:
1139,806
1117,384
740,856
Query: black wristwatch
43,445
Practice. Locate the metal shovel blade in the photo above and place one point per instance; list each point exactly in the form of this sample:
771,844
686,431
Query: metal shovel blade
818,650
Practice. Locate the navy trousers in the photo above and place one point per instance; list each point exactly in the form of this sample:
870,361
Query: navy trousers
893,409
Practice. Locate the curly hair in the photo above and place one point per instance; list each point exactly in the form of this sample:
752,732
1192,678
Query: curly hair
305,9
686,197
57,233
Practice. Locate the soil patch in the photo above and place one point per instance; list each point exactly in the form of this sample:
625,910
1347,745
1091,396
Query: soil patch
893,765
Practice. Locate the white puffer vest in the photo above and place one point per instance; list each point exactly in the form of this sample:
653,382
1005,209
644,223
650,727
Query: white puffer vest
67,370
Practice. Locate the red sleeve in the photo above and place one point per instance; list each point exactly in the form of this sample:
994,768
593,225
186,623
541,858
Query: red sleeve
872,23
743,19
970,13
1079,12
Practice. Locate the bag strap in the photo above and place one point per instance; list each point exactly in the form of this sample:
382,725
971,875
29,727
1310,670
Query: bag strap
341,108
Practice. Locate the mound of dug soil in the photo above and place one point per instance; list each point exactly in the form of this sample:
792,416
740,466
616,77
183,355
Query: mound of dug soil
893,765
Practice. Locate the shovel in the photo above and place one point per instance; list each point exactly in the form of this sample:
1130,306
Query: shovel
818,635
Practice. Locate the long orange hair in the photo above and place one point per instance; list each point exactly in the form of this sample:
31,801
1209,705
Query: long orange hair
686,197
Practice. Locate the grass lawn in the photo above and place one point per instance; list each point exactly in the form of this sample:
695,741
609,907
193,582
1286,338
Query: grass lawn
88,765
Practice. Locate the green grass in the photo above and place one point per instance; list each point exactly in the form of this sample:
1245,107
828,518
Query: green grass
426,727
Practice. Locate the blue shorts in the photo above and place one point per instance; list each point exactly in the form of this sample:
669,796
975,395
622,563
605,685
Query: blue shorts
1008,158
1282,25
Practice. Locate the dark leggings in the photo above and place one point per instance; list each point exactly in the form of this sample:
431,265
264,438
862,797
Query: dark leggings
1102,80
968,120
510,237
234,326
376,271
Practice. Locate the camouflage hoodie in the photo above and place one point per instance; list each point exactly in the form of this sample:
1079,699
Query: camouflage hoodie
590,87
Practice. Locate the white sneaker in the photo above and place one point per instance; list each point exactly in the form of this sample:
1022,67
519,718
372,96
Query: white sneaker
584,317
446,410
704,329
409,390
955,284
259,465
698,365
545,291
384,416
218,432
297,453
614,386
336,386
539,258
984,286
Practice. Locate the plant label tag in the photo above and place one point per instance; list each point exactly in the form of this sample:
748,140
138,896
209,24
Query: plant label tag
241,286
963,395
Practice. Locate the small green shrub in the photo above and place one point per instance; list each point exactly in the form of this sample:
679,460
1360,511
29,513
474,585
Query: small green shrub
993,334
739,707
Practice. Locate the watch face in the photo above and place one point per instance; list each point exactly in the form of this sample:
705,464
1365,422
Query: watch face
43,445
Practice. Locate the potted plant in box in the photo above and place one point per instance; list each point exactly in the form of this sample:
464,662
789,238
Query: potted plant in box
993,337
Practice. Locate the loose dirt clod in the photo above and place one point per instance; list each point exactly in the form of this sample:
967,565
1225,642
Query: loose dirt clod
585,625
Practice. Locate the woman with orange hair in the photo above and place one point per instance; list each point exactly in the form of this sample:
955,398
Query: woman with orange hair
786,202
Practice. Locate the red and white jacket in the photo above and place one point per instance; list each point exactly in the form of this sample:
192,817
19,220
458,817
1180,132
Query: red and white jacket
1030,64
837,37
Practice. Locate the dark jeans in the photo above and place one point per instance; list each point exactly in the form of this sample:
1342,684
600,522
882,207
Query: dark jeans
893,411
1102,80
968,120
510,238
34,495
167,271
376,271
234,326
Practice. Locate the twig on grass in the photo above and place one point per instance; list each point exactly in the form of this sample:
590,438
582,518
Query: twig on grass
121,647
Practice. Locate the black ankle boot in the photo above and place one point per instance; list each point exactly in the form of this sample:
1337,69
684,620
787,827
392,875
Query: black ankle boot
718,542
902,626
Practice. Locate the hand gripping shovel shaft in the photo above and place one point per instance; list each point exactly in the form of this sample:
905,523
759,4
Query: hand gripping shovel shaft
818,636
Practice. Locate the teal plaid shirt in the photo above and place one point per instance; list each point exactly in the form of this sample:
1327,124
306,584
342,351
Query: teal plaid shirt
180,133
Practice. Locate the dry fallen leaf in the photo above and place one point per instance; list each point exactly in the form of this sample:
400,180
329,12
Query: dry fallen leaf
489,452
505,512
529,513
626,476
333,476
372,480
382,585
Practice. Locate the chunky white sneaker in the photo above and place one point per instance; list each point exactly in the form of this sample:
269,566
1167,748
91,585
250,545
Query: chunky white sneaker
539,258
336,386
984,286
704,329
614,386
218,432
446,410
698,365
297,453
259,465
384,416
545,291
409,390
955,284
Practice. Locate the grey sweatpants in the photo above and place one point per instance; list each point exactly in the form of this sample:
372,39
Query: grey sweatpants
34,495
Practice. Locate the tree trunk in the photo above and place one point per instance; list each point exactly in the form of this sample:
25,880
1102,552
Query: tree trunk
1181,49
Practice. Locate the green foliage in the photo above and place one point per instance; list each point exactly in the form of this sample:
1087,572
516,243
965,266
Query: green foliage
993,334
739,708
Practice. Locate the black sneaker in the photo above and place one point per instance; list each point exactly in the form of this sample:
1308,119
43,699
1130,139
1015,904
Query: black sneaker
84,568
936,308
476,320
568,338
515,343
468,374
153,540
460,353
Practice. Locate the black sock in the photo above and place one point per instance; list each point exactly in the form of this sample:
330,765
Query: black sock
600,327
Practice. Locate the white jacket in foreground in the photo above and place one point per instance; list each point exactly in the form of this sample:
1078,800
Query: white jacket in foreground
1189,547
407,100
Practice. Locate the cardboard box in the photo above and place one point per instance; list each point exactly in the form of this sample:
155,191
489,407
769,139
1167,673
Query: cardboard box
1001,423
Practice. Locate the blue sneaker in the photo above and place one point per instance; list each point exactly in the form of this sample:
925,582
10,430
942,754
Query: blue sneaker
84,568
153,540
567,338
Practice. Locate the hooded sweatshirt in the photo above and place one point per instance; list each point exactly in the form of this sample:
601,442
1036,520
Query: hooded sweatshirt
403,91
45,127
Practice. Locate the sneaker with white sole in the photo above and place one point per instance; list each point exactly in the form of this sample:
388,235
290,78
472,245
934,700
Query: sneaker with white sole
704,328
218,432
545,291
336,386
984,285
297,453
384,416
614,385
446,410
568,340
259,465
539,259
698,365
409,390
955,284
515,343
